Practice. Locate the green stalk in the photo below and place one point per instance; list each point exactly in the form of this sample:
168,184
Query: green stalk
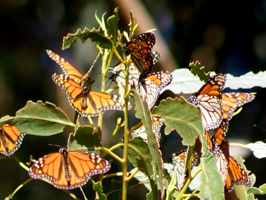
126,137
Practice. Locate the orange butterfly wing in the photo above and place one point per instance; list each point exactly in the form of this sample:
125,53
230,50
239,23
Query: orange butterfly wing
141,52
68,169
157,123
233,100
84,101
208,99
67,68
237,174
150,86
178,160
10,139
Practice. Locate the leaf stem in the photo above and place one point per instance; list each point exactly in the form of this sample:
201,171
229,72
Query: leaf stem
113,175
117,55
112,154
132,175
18,188
21,164
117,127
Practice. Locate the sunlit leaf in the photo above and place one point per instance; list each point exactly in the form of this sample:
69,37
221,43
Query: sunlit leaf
181,116
95,35
258,191
142,113
198,70
185,82
42,119
258,148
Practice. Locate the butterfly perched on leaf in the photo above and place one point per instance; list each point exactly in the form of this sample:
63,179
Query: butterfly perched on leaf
208,99
68,169
157,123
140,49
10,139
85,101
179,162
149,86
234,173
230,102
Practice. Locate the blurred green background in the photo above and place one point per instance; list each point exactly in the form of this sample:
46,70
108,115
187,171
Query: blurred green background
226,36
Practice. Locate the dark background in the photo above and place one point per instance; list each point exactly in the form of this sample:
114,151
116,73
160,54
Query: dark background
226,36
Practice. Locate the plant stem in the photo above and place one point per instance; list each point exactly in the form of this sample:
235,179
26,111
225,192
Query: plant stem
21,164
19,187
126,137
132,175
113,175
112,154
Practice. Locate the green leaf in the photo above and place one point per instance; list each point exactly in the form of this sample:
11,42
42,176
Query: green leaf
85,138
198,70
116,187
154,190
139,149
181,116
5,118
96,35
133,26
211,186
258,191
112,22
99,189
142,113
42,119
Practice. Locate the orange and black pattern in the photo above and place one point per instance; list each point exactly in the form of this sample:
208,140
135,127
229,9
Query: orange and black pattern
68,169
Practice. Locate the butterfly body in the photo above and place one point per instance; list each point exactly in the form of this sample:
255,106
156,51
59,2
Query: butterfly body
80,96
141,52
179,162
157,123
208,99
233,173
68,169
10,139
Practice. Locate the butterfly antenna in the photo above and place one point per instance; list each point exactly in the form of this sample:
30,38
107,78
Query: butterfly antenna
90,70
260,127
55,145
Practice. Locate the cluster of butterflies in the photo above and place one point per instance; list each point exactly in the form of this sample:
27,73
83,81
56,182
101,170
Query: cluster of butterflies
217,109
71,169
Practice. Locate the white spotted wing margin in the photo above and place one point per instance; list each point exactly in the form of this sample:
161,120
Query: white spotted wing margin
68,169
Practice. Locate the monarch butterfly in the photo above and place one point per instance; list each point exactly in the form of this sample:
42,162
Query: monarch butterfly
235,174
10,139
68,169
233,100
149,86
156,127
117,74
141,52
213,141
67,68
178,161
80,96
208,99
230,102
